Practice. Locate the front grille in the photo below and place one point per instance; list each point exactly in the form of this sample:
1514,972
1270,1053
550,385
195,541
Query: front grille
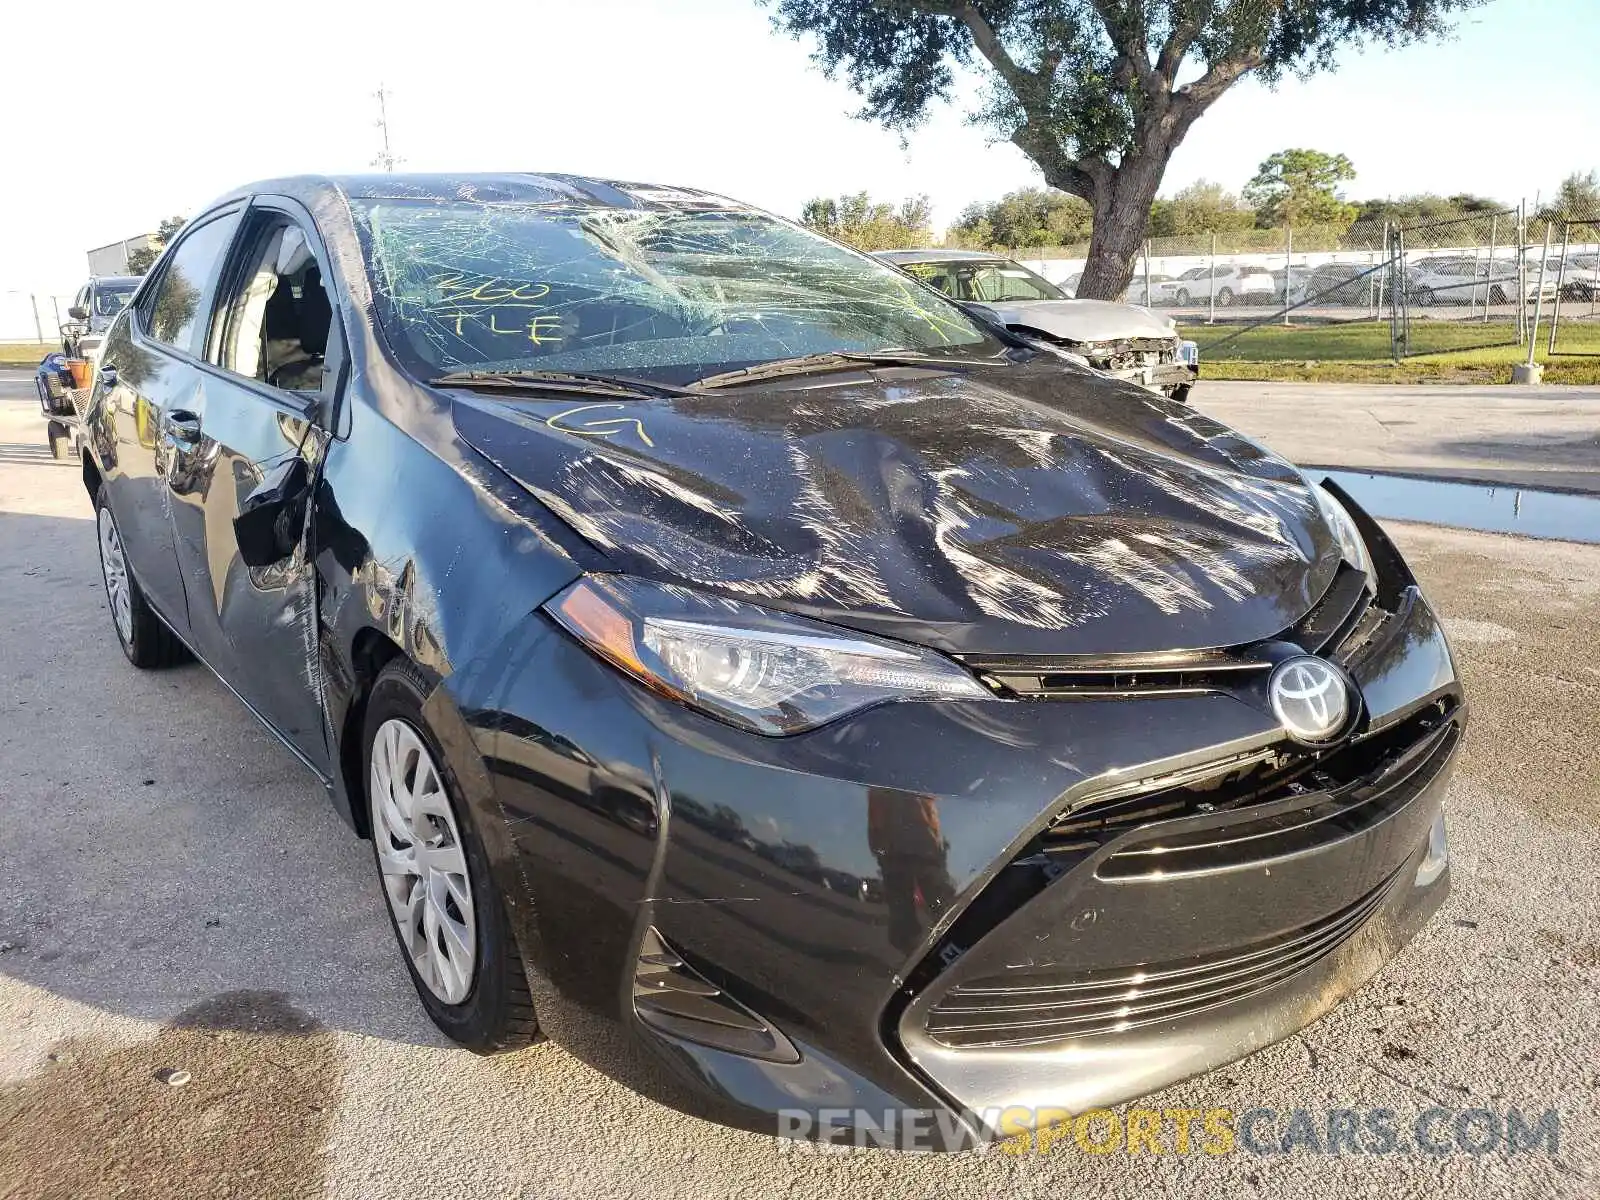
1344,620
1284,800
998,1012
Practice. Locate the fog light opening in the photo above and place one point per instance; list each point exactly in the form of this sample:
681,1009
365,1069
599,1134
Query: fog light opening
1438,856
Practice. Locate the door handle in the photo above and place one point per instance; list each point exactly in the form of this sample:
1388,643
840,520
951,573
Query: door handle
183,426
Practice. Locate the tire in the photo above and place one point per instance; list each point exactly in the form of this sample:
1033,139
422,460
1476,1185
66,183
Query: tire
495,1011
1224,297
60,441
1182,298
1181,394
1498,295
144,636
1423,296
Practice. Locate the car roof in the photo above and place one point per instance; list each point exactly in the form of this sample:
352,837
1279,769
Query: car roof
937,255
490,188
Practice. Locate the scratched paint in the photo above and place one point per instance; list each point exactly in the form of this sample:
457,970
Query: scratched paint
1046,516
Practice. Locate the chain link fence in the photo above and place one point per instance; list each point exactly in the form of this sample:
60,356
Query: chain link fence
1377,289
33,318
1575,310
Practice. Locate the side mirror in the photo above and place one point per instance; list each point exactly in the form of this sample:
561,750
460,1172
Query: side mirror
78,312
268,526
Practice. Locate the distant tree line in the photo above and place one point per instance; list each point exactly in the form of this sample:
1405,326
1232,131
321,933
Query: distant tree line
1293,188
871,225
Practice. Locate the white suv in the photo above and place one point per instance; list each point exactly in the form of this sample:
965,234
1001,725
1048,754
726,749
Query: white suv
1232,282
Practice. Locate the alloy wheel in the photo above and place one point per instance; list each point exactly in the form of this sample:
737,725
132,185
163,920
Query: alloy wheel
423,862
115,569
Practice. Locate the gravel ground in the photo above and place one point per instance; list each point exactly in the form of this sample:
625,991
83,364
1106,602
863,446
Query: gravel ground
179,897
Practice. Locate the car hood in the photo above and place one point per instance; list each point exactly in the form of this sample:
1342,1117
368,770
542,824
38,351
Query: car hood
1084,320
1003,510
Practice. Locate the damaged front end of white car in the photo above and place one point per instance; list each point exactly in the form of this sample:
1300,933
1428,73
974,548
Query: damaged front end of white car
1121,340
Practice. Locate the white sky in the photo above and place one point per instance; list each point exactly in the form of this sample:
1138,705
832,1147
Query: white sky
122,113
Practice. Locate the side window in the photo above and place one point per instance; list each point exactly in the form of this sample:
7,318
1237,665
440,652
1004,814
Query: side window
987,284
279,319
931,275
174,305
960,285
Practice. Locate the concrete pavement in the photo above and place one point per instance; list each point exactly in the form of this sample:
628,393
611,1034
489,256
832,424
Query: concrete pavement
1533,436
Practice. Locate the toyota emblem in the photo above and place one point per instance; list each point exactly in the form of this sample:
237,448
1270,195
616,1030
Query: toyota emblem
1310,698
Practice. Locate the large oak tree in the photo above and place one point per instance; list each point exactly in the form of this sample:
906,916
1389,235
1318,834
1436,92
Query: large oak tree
1090,89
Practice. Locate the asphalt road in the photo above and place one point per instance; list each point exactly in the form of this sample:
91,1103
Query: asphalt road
177,895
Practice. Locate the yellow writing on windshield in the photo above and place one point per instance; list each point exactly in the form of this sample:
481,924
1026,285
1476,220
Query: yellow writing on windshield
462,289
540,330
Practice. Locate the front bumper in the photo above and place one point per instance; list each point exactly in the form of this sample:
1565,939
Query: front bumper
1162,377
748,928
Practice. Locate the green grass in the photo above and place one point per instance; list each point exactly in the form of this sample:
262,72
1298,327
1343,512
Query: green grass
1359,352
25,354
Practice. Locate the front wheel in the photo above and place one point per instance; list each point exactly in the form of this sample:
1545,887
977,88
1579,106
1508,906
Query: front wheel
452,928
1180,394
1182,297
144,637
1224,298
1423,296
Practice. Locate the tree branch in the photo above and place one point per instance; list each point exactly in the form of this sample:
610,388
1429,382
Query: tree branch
984,36
1181,38
1203,92
1078,176
1033,138
1129,36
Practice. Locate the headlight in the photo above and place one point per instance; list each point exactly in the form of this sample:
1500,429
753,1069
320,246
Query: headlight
751,667
1344,529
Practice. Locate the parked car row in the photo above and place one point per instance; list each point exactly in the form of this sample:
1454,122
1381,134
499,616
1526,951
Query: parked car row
1442,279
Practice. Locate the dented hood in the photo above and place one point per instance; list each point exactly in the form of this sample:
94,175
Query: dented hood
1007,510
1084,320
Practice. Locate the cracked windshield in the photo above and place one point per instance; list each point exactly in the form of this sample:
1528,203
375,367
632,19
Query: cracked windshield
669,293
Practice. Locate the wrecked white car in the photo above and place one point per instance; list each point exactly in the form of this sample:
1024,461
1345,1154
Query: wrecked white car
1120,340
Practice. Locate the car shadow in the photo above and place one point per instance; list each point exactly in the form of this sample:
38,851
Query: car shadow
159,847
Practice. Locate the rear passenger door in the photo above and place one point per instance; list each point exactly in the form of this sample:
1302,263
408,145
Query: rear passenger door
148,415
265,398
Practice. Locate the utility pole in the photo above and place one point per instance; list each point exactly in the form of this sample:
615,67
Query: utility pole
386,158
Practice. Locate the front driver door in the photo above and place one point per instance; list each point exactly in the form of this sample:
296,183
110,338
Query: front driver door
262,402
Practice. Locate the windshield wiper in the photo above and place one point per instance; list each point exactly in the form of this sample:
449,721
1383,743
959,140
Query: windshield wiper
620,387
838,360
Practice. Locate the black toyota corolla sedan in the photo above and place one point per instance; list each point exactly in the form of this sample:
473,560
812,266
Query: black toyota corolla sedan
821,711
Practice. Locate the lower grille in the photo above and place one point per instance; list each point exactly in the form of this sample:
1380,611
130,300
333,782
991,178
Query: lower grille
1276,802
1001,1012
